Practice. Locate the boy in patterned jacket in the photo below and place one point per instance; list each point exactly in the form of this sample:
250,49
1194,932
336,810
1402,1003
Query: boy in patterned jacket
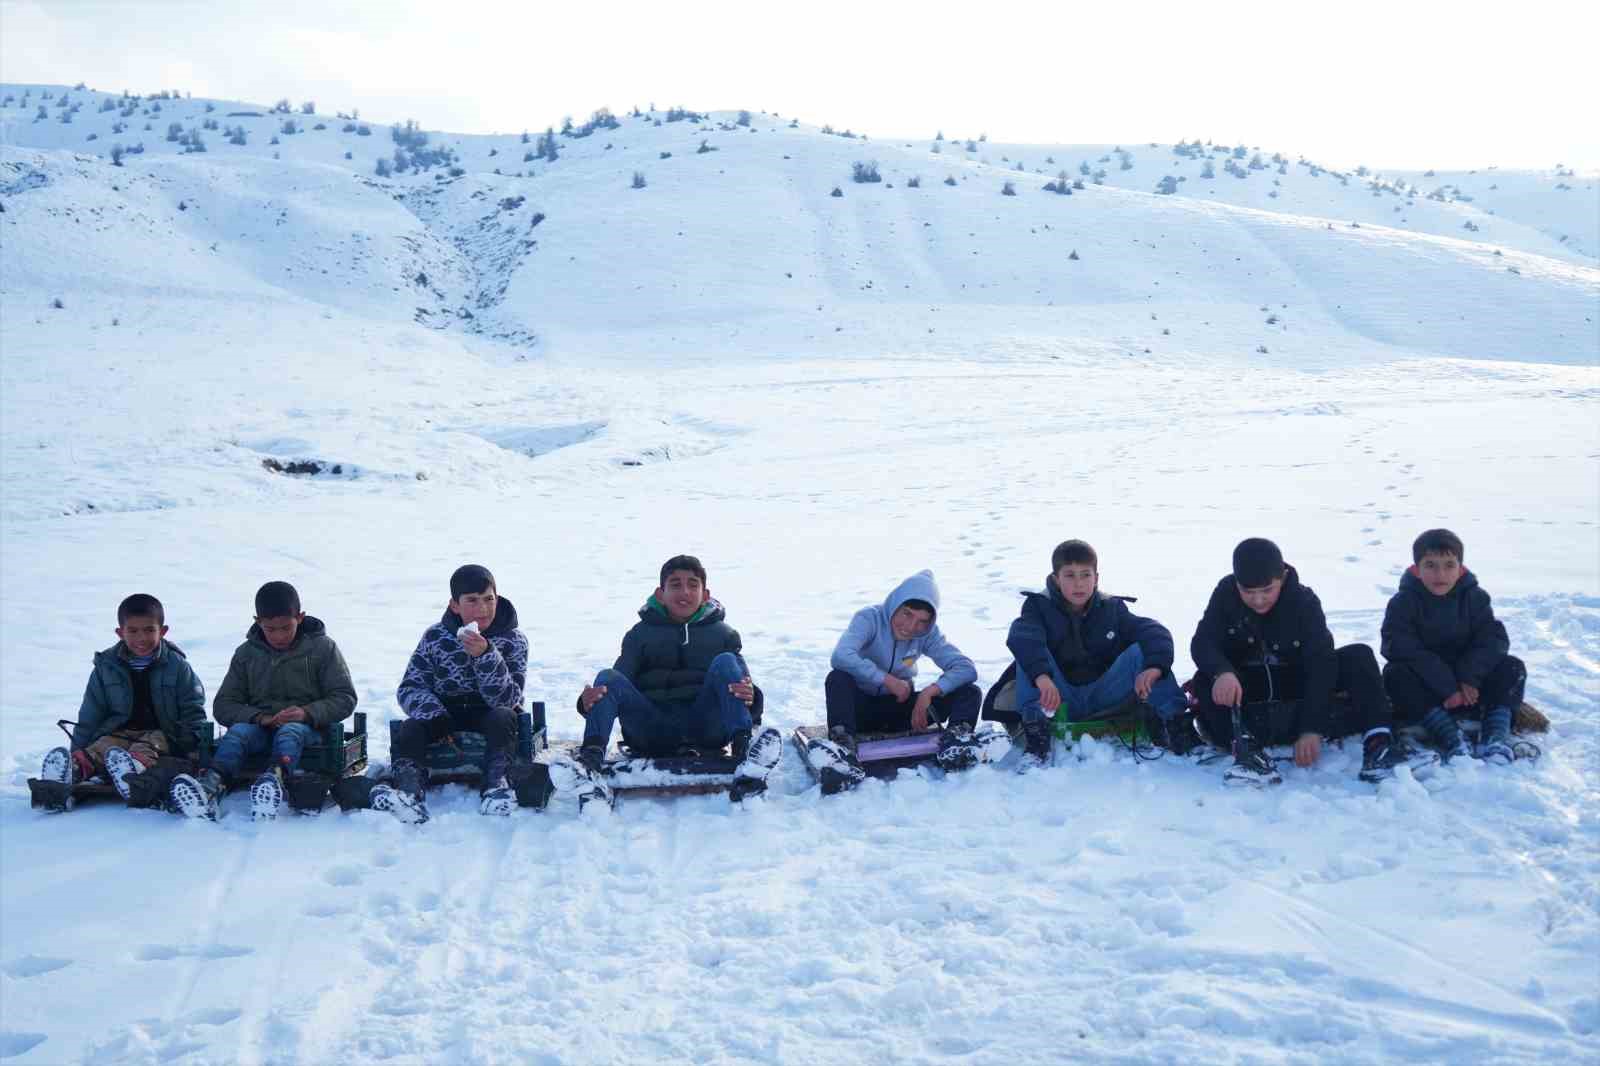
467,673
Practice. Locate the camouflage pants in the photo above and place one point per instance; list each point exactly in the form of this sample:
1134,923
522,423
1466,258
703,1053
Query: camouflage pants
145,745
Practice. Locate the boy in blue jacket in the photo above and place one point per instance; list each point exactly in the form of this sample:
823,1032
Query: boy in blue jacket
1448,654
872,684
1080,650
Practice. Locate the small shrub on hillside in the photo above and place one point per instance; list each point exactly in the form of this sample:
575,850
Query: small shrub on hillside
914,182
274,139
237,135
1074,255
864,172
409,135
92,137
382,168
1167,185
836,191
107,104
1208,171
665,155
282,106
116,155
174,130
1008,189
66,118
638,179
951,180
289,128
308,108
43,113
972,146
704,148
744,118
57,304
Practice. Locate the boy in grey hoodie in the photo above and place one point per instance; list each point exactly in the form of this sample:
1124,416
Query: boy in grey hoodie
872,686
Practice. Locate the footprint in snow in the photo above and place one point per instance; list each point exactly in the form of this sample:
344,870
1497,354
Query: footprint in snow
343,875
33,966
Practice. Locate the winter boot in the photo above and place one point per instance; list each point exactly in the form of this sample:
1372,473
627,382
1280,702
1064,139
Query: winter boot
1251,765
196,795
1036,741
120,767
1445,735
1494,739
1380,754
60,767
957,749
499,798
266,795
759,758
578,774
842,736
407,807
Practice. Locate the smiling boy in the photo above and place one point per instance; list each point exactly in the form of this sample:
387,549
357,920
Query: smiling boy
1447,653
872,685
143,701
1084,652
680,680
1264,638
285,682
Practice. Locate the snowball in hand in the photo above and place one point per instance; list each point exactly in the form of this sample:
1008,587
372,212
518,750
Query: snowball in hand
470,627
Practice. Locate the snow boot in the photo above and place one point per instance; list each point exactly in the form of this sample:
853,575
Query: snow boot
1445,735
196,795
406,807
1494,739
60,767
578,774
266,795
1036,741
759,757
1251,765
835,761
1380,754
957,749
120,766
498,798
842,736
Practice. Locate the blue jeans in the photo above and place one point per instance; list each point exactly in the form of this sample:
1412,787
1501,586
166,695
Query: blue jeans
241,741
1082,703
710,721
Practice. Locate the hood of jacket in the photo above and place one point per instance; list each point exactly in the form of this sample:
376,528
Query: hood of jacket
1411,582
919,586
310,627
505,619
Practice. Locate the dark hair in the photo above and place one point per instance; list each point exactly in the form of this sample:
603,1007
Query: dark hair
1073,551
140,605
921,605
1437,542
682,562
470,578
1257,563
277,599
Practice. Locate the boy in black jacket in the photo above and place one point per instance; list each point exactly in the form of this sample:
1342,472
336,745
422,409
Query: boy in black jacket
1264,638
680,680
1448,654
1080,652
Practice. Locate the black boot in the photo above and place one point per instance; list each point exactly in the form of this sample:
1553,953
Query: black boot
1036,741
957,749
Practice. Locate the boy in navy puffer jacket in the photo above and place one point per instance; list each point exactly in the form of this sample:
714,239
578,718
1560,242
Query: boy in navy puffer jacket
1448,654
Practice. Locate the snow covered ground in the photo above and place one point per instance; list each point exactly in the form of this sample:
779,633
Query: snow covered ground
817,395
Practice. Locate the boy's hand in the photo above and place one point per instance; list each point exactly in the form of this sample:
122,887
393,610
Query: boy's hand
1049,695
1308,749
1145,682
475,643
1454,700
919,711
1227,692
744,691
287,715
1469,695
592,694
900,689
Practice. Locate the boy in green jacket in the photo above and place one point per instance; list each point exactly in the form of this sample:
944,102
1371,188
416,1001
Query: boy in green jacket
286,681
143,701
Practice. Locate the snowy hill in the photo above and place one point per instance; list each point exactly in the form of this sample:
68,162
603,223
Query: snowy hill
569,379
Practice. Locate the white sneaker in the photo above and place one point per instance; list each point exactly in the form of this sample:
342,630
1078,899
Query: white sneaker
119,767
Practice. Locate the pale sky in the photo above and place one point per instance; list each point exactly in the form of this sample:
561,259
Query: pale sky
1388,84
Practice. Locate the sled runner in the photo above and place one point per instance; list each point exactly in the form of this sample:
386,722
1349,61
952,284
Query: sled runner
883,755
683,772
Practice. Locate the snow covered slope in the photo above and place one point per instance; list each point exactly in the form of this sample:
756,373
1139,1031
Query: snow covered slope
817,395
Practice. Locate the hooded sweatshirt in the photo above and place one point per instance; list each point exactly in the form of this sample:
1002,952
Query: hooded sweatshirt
869,652
1447,640
442,677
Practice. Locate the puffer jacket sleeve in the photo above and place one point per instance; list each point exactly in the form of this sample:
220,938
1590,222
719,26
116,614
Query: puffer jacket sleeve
1402,645
501,675
191,706
630,660
1320,664
1028,641
231,704
338,700
1489,641
847,652
1153,638
415,694
91,712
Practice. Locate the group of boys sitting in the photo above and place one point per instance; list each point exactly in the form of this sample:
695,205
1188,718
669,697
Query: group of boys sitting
1268,673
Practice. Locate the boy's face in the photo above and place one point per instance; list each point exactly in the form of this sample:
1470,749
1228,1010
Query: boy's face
477,607
142,633
1439,573
910,622
1077,583
1263,598
281,631
683,594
